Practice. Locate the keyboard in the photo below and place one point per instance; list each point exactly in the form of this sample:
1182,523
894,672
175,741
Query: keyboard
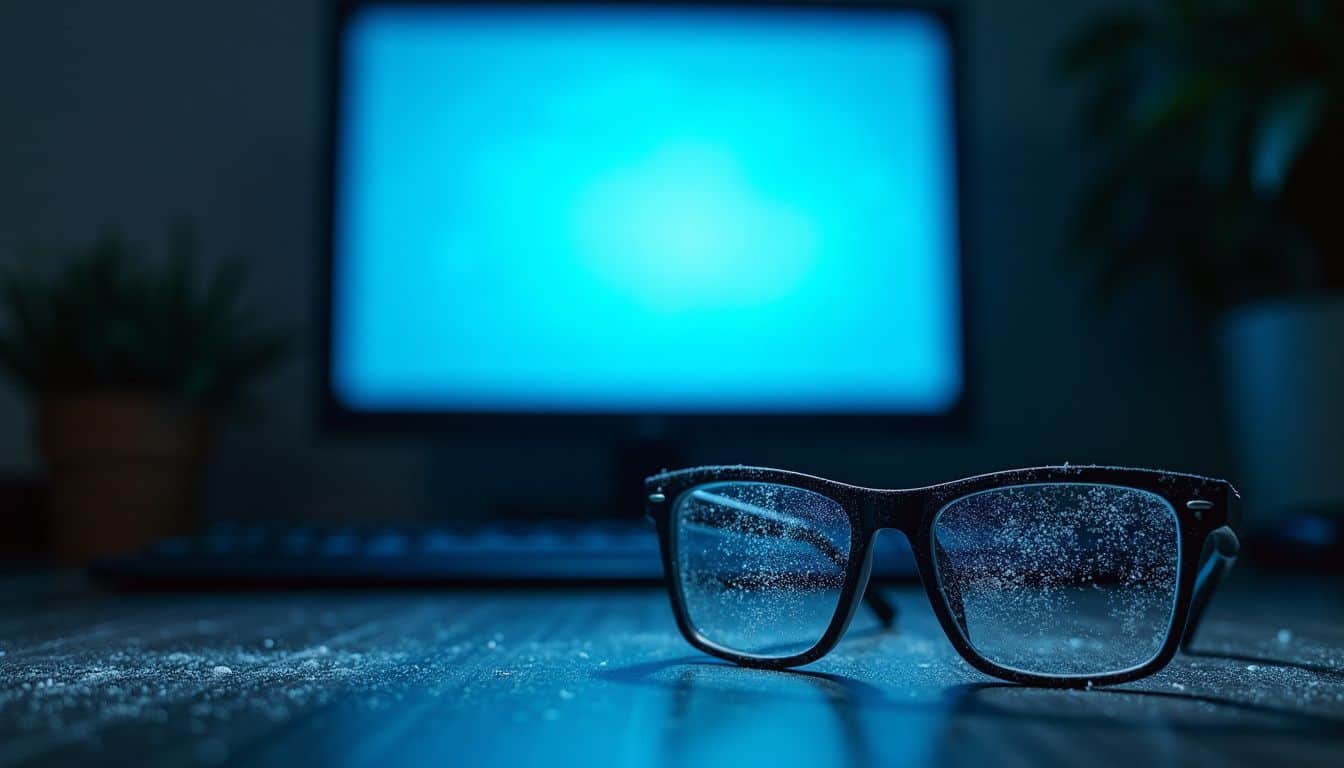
236,555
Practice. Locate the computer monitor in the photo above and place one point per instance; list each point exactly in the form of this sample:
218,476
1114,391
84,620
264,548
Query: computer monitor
622,214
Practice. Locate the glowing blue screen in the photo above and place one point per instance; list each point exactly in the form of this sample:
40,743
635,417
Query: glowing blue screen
646,209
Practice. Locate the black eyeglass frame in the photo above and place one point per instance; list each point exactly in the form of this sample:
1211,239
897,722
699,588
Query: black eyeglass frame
1206,511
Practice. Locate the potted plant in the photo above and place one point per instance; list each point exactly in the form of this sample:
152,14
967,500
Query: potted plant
1220,130
130,364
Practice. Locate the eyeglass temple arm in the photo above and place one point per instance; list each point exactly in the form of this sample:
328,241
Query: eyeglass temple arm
777,524
1211,573
880,606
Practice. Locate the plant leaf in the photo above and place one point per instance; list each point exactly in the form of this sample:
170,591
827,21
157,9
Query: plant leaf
108,319
1290,120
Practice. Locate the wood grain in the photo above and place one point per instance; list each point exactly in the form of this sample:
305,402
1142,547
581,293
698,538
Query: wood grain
602,678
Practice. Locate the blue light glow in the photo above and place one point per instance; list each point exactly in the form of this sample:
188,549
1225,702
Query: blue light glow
616,209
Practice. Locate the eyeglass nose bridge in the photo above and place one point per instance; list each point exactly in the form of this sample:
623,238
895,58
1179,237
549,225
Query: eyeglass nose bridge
898,509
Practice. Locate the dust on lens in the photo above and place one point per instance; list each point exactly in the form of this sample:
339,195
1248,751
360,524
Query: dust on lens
760,566
1068,579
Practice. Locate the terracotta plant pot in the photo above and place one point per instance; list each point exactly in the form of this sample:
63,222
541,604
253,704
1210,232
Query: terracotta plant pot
123,469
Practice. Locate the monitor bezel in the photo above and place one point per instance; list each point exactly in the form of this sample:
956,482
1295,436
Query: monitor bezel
336,415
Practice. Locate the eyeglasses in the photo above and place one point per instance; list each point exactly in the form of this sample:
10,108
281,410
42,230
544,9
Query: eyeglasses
1056,576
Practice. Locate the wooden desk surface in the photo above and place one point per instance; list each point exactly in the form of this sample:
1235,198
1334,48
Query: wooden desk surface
601,678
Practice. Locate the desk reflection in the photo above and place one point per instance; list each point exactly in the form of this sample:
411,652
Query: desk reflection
717,714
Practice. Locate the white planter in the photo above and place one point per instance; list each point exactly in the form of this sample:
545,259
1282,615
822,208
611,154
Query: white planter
1283,379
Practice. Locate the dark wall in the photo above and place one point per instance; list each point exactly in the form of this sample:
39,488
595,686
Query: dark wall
126,112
